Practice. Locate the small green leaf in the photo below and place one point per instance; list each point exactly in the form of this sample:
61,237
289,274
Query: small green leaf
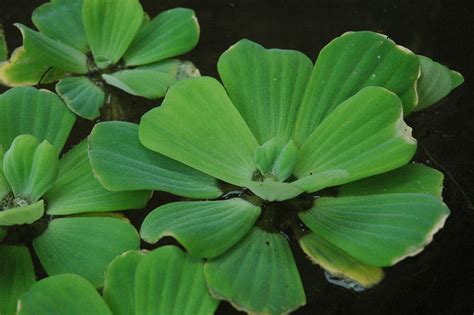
82,96
338,263
22,215
436,81
197,125
266,86
271,190
286,161
411,178
349,63
120,162
178,69
364,136
16,276
170,282
258,275
110,27
3,45
84,246
378,230
53,53
30,167
61,20
25,110
26,68
119,288
78,191
276,160
145,83
63,294
205,228
171,33
4,185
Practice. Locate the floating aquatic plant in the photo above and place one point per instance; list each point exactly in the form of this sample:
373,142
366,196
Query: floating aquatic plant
129,51
288,151
53,204
164,281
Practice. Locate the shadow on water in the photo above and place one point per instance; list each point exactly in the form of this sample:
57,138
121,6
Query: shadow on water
441,279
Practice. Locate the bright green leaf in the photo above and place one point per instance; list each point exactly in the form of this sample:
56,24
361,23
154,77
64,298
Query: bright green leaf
82,96
5,188
338,263
171,33
16,276
62,294
78,191
205,228
120,162
62,20
25,110
119,288
171,282
266,86
30,167
52,52
110,27
436,81
197,125
258,275
145,83
412,178
349,63
374,140
275,159
378,230
84,246
178,69
271,190
25,68
22,214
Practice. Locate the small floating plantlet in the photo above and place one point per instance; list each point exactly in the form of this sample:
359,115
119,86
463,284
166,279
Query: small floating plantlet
53,206
89,45
287,151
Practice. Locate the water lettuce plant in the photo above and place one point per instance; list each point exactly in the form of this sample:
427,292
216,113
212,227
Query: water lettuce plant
50,204
87,45
163,281
283,150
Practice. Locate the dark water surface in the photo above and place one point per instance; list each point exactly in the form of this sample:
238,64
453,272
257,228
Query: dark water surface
441,279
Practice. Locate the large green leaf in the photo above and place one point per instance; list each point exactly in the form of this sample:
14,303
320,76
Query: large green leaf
110,27
62,294
349,63
364,136
16,276
119,287
30,167
378,230
25,68
78,191
22,214
53,53
171,33
62,20
412,178
436,81
82,96
146,83
198,126
84,246
205,228
120,162
258,275
25,110
338,263
266,86
171,282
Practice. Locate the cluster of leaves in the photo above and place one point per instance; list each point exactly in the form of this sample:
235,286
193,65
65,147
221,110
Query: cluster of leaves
129,51
282,150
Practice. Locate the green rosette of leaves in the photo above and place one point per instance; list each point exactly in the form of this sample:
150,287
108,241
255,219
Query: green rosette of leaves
163,281
282,151
89,45
50,204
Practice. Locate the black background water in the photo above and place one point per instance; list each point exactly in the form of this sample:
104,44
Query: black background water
441,279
